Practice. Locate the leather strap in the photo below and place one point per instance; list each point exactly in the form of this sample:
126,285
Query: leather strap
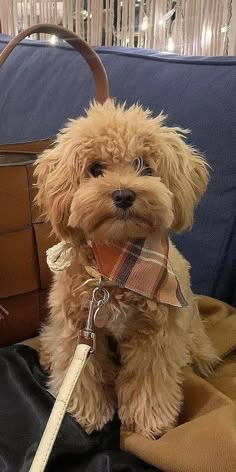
31,147
90,56
53,425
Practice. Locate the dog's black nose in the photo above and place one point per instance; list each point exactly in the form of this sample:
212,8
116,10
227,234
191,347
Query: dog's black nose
123,198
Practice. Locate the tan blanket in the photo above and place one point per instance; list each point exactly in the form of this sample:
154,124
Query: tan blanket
205,441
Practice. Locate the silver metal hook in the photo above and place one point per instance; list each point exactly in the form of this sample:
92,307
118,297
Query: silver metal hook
104,295
100,296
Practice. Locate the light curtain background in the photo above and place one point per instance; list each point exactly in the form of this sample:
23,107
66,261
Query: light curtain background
191,27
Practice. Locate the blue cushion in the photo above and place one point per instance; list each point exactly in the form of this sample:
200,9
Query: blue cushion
43,85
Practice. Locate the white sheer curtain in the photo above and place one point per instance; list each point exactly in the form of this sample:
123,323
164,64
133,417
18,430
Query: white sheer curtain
194,27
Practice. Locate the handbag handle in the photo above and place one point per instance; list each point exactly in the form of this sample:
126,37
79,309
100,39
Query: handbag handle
90,56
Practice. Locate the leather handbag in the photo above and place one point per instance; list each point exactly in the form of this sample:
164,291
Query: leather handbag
24,236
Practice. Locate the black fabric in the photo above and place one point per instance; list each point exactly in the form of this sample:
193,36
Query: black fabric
25,406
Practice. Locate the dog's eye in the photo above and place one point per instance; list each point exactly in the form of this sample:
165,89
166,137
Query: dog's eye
142,166
96,169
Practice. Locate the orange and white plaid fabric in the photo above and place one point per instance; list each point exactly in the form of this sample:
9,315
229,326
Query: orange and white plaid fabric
142,266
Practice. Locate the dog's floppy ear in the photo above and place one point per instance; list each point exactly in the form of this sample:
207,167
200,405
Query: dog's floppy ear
185,172
57,180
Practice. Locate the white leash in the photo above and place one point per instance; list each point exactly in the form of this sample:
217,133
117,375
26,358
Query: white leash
83,350
57,414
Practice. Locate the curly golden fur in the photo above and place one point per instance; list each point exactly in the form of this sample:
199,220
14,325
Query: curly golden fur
155,342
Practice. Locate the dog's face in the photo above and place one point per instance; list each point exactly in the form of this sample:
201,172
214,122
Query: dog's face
119,174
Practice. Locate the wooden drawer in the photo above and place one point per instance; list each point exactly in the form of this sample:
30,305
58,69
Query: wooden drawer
18,263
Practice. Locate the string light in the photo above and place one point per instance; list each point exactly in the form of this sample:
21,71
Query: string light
84,14
53,39
206,37
224,29
145,23
170,44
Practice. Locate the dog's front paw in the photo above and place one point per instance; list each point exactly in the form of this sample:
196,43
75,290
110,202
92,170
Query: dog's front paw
151,423
150,416
95,418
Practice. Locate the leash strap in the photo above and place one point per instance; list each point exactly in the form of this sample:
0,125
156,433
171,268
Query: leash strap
86,346
77,364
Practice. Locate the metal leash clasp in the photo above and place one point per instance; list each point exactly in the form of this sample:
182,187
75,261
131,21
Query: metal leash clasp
100,296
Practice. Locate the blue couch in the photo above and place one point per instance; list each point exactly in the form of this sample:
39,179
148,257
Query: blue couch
43,85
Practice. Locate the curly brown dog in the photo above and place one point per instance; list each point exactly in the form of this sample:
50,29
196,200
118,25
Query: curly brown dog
115,148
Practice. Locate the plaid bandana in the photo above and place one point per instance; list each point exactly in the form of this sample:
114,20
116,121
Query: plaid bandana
142,266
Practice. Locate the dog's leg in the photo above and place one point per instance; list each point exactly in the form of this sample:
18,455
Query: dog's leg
93,400
149,385
203,353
